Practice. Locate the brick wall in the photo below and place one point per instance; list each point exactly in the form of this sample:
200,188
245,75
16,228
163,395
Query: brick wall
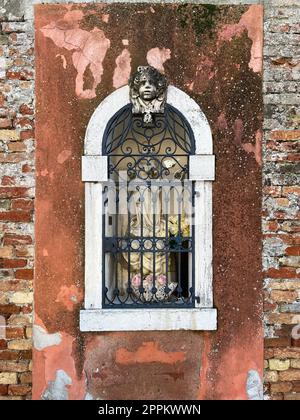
16,202
281,216
281,225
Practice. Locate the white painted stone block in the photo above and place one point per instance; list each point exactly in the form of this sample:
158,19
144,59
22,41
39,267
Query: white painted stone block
94,168
148,319
202,168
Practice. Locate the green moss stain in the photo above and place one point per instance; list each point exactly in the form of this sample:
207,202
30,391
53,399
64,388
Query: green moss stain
201,18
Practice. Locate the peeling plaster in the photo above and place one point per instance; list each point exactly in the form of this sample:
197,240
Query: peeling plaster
149,352
105,17
50,360
58,389
243,354
255,148
88,397
69,296
252,22
122,70
247,147
42,340
63,59
89,49
156,57
221,122
63,156
254,386
45,252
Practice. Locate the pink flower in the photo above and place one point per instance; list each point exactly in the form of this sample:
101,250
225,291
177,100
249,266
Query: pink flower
136,280
161,279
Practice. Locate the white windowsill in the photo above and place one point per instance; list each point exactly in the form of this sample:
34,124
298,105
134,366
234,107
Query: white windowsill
196,319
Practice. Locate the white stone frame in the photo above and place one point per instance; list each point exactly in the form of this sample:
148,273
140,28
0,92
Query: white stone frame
94,171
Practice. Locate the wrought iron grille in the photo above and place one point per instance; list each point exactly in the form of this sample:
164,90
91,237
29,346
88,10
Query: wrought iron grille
148,234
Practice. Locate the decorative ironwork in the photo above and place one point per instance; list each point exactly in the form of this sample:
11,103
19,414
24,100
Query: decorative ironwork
148,241
148,92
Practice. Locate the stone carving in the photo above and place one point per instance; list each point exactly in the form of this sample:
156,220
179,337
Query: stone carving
148,92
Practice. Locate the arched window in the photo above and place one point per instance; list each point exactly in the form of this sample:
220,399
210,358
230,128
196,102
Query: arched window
148,199
148,231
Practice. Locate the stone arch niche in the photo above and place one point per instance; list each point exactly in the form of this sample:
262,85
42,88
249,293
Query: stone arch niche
94,173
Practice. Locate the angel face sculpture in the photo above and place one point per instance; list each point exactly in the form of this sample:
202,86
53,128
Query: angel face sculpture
148,92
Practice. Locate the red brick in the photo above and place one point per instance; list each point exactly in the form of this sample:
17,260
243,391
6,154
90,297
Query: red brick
296,386
26,169
284,296
16,355
2,100
26,110
287,353
277,397
271,226
15,285
14,333
5,123
19,62
286,273
22,204
6,263
268,307
268,353
273,191
285,135
292,397
15,157
16,216
18,389
24,251
291,190
293,157
26,123
289,239
27,309
12,239
9,355
278,342
281,387
293,250
26,378
284,331
24,274
25,354
17,146
3,389
295,342
3,343
282,215
26,134
13,192
19,75
9,309
8,180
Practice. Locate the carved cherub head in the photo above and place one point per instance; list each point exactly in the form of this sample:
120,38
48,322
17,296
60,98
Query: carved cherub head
148,91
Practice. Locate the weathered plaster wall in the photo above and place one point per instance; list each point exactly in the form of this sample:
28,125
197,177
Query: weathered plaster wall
214,54
216,362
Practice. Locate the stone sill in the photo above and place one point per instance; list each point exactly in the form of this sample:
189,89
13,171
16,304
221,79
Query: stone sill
196,319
